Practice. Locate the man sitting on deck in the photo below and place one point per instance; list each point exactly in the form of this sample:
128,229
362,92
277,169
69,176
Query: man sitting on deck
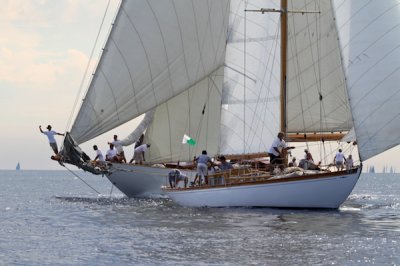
111,155
224,166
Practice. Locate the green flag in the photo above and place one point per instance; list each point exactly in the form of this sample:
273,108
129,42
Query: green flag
188,140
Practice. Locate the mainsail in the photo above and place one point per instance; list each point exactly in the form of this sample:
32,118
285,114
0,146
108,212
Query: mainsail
155,51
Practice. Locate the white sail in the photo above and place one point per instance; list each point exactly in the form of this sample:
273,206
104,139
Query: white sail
155,51
370,38
195,112
139,130
250,113
350,136
317,100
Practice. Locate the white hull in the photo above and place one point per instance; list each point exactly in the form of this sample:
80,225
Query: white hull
138,181
320,192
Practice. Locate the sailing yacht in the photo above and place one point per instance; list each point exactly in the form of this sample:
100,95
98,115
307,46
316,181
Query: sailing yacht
212,71
326,60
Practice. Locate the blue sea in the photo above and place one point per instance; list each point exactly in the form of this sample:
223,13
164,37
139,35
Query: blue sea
53,218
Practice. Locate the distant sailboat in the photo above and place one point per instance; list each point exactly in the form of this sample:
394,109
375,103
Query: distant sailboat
18,167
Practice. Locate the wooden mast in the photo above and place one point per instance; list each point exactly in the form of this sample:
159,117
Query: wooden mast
283,71
283,64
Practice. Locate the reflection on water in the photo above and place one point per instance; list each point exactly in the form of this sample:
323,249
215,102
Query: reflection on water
70,225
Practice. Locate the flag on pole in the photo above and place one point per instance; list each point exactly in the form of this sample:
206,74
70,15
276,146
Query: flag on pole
188,140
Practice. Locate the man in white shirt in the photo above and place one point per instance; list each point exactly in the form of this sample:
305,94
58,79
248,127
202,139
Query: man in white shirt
349,162
138,154
112,155
339,160
99,156
275,152
118,146
50,135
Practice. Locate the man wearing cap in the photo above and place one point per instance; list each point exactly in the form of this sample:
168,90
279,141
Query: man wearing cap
50,135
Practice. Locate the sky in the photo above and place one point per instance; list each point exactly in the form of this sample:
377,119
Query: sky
45,47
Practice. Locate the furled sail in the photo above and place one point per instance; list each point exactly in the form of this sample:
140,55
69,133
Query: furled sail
250,112
155,51
317,99
370,40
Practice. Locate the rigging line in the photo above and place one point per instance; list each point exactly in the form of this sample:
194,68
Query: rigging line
260,117
201,64
202,44
259,121
82,180
87,68
208,108
276,48
244,79
319,80
296,66
112,186
169,129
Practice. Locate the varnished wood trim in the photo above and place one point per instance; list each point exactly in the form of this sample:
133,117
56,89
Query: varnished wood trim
272,181
314,137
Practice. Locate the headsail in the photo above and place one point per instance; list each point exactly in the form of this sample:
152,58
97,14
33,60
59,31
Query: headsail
155,51
195,112
250,97
317,99
370,38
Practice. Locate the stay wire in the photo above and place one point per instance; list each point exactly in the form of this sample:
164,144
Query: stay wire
87,69
98,193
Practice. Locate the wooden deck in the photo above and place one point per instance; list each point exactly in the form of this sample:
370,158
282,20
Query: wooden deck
243,177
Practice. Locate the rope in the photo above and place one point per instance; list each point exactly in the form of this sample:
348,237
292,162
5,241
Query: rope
82,180
244,79
87,69
112,186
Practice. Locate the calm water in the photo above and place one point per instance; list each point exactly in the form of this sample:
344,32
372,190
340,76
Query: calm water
52,218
